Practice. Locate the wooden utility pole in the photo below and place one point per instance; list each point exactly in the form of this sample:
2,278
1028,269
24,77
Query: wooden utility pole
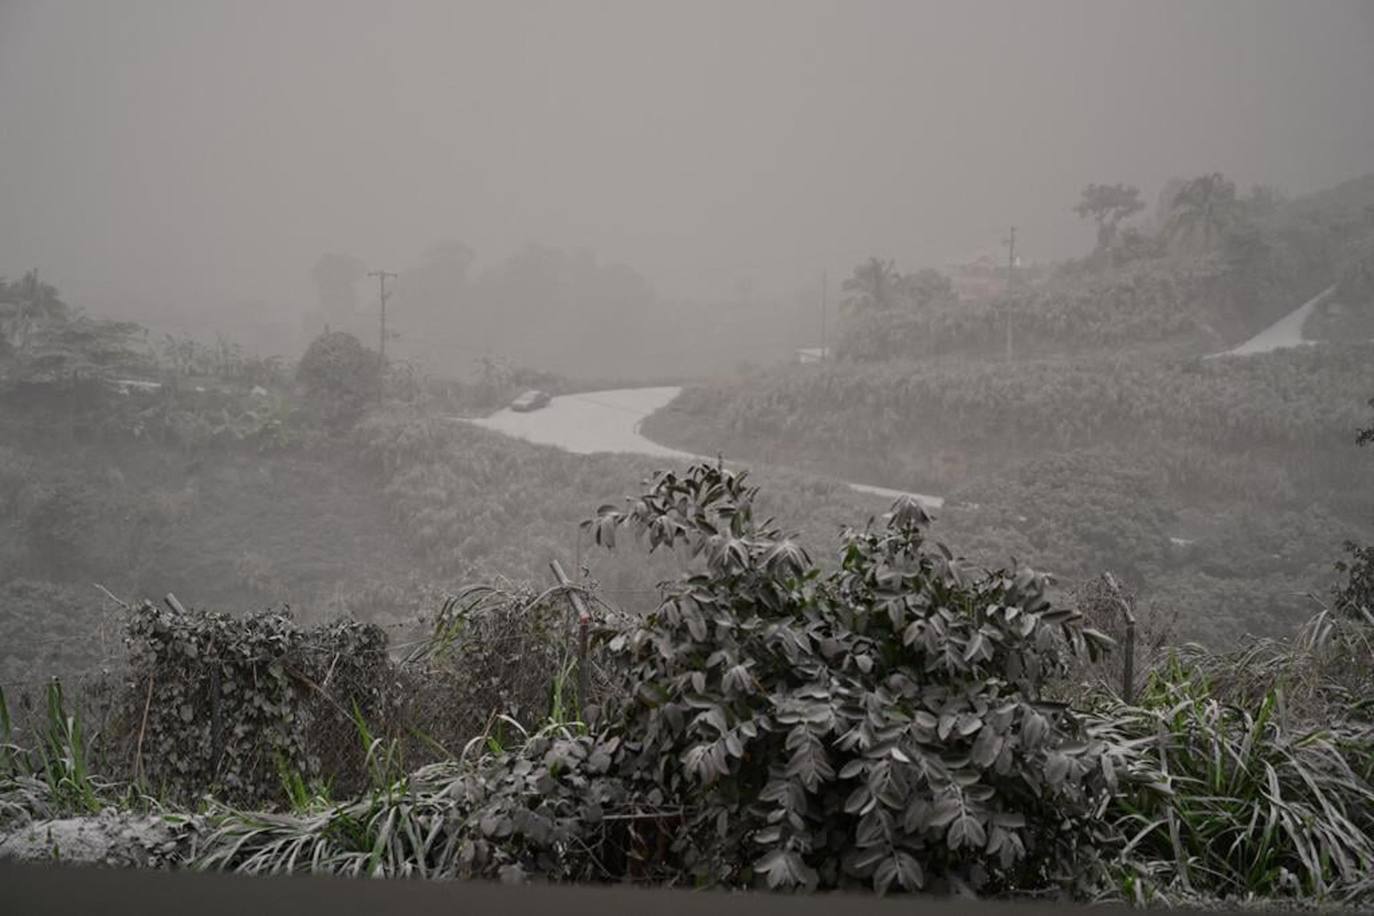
825,285
1010,242
382,296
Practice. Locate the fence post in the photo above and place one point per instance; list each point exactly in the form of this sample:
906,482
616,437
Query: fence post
1128,662
584,620
216,720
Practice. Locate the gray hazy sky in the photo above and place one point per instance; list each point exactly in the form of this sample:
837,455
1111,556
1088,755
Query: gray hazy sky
208,152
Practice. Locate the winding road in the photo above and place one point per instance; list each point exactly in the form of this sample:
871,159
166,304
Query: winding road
1282,334
609,421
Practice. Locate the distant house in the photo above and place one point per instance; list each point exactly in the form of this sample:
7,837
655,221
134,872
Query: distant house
813,354
985,275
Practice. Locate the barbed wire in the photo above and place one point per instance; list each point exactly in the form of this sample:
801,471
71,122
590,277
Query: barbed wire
87,674
116,662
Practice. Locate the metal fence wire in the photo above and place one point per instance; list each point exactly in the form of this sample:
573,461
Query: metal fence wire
321,713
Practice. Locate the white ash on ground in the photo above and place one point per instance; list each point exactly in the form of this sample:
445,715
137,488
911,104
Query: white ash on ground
110,838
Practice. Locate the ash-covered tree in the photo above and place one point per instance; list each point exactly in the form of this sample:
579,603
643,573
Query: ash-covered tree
43,341
26,305
1107,205
925,287
338,375
872,287
1202,210
84,349
888,314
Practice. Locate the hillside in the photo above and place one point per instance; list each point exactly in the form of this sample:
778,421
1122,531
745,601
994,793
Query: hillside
377,521
1218,491
1071,421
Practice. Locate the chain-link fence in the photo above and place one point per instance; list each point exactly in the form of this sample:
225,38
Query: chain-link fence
259,709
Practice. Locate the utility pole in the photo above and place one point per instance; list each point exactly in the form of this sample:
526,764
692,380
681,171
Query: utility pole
1010,242
382,296
825,286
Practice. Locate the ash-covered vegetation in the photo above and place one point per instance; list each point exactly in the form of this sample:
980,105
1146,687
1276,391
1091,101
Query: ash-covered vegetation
899,721
369,670
1009,577
1083,421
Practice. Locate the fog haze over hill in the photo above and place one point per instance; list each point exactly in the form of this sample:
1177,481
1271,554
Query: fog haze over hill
199,157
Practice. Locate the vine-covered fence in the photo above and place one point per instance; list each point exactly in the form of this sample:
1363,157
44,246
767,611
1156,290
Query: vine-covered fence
255,708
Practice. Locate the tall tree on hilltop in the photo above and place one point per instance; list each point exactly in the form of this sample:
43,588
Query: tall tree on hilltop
873,287
1202,209
1108,205
46,341
25,306
925,287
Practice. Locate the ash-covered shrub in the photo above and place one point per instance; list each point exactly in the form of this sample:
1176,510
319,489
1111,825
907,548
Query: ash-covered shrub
1355,596
880,725
338,376
547,807
494,653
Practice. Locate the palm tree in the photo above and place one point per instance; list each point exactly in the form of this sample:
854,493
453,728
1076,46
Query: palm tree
24,307
1108,205
873,287
1203,207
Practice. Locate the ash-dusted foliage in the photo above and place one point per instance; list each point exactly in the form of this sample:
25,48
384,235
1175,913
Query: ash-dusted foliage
496,653
547,807
52,775
882,723
1219,488
879,725
338,375
1303,398
1254,774
1355,596
218,701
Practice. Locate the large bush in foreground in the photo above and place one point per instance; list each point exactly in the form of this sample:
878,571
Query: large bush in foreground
882,724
